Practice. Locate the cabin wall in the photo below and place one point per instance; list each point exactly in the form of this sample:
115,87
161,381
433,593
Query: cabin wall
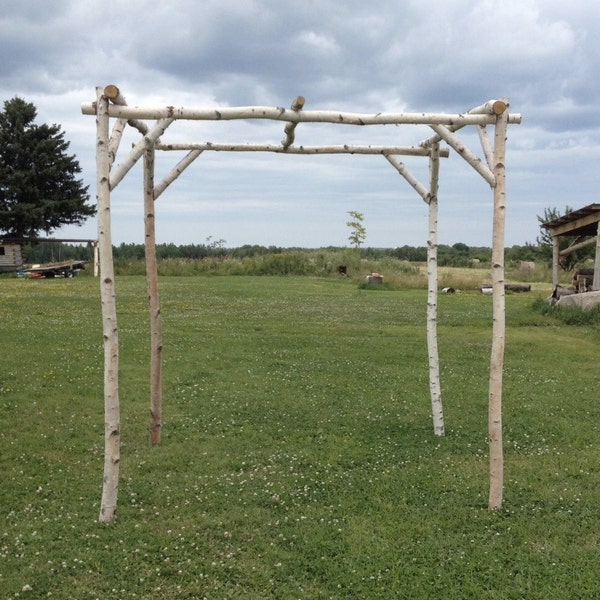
11,257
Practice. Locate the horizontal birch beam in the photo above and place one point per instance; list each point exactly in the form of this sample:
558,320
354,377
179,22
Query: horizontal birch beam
343,149
292,116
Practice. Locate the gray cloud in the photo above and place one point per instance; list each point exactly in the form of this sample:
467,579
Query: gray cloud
352,55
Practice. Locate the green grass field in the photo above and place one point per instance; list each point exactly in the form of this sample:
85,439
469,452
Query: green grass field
298,458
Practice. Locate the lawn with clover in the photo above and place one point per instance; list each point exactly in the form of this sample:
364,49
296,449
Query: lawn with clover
298,458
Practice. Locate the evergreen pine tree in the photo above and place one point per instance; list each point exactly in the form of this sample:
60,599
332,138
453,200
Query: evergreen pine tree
39,189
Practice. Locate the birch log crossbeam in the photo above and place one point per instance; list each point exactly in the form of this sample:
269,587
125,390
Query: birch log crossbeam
292,116
343,149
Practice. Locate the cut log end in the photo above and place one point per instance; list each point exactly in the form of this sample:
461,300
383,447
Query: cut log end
299,103
111,91
499,107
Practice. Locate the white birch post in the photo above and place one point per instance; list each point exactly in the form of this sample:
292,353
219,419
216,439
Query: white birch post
432,296
430,197
498,328
156,343
112,420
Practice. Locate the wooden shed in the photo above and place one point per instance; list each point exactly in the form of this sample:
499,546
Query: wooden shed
584,225
11,255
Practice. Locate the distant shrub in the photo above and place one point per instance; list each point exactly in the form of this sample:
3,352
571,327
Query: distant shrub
569,315
317,263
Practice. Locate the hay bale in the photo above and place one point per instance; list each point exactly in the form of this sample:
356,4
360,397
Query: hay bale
374,278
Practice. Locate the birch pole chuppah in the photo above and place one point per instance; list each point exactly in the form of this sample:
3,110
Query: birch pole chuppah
111,104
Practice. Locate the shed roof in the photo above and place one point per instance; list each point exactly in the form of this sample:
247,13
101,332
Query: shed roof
582,222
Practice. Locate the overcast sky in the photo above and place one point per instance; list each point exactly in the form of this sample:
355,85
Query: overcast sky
352,55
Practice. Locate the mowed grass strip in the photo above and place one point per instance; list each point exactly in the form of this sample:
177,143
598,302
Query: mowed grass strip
298,458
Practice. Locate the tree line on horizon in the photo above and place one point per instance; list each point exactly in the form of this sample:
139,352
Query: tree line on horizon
456,255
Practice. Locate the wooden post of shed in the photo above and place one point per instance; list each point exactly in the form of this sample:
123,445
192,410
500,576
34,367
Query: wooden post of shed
96,258
596,281
555,260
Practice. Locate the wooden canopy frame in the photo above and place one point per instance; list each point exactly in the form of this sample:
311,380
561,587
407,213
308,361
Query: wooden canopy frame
584,225
111,104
